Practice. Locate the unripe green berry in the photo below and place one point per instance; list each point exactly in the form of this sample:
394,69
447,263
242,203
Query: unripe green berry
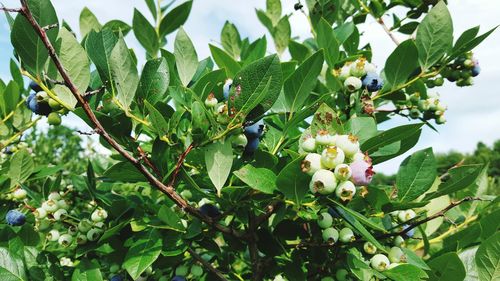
81,239
369,248
40,213
114,268
341,274
181,270
399,241
196,270
186,194
54,119
325,220
53,235
60,214
346,235
84,225
397,255
379,262
94,234
54,104
99,215
19,194
65,240
330,235
50,206
54,196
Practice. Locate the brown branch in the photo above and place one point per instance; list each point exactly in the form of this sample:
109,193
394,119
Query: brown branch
427,219
257,265
270,210
166,189
207,265
11,10
178,166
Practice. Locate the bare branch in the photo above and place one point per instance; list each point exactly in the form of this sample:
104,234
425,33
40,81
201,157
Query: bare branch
206,264
10,10
388,31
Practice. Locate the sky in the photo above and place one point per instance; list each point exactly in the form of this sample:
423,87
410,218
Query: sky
473,112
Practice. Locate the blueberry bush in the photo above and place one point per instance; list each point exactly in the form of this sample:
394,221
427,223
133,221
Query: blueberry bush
242,165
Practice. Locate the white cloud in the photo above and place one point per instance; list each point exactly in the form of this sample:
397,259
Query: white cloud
474,112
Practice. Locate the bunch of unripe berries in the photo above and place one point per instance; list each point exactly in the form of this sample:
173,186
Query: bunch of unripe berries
249,140
55,217
426,108
335,163
461,71
40,103
359,74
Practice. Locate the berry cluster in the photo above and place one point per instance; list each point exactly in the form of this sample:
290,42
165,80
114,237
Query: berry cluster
40,103
336,164
249,140
359,74
460,71
13,148
65,228
427,108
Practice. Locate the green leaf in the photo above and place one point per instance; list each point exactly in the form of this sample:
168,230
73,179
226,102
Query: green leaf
260,179
281,34
26,41
328,42
273,10
447,267
415,260
230,39
145,33
460,178
124,172
264,19
11,266
185,57
292,182
157,120
362,127
9,98
406,272
99,46
175,18
325,118
168,216
434,35
249,94
401,64
225,61
219,160
360,217
88,22
299,85
357,225
467,41
142,253
488,259
298,51
124,73
86,271
77,65
390,136
154,81
152,7
118,26
21,167
416,175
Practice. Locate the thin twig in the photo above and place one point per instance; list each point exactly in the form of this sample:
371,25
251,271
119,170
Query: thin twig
388,31
11,10
427,219
166,189
207,265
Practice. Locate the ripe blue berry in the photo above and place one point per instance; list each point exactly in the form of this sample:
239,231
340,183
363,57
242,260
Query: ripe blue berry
372,82
35,87
410,233
15,218
116,278
210,210
475,70
179,278
255,130
226,88
251,147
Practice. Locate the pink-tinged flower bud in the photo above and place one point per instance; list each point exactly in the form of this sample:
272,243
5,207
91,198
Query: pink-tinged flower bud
362,172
